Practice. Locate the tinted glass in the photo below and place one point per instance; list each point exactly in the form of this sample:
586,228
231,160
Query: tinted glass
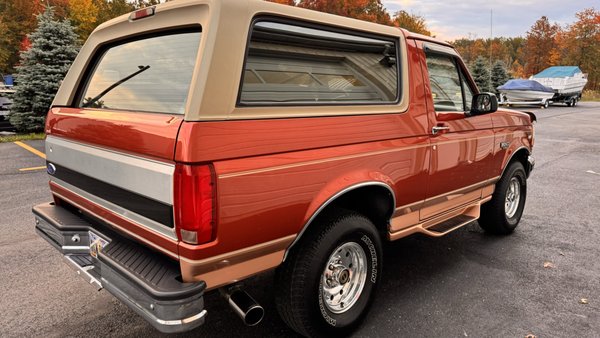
289,64
445,83
151,74
468,93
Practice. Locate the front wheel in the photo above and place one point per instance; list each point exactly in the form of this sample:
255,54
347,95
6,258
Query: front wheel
502,214
326,285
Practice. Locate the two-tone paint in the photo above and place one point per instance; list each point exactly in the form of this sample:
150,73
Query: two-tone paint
275,172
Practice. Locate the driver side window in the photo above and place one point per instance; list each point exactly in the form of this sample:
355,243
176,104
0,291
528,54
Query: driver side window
447,84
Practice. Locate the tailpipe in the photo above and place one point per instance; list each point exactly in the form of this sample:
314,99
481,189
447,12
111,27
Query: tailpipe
243,305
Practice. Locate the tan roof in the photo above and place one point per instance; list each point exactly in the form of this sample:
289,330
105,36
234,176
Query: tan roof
225,24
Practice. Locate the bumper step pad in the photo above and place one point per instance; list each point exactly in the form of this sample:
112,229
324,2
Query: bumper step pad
148,282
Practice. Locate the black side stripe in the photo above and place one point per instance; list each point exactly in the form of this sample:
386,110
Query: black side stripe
144,206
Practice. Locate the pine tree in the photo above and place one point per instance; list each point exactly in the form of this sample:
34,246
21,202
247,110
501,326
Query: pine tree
481,74
499,75
42,68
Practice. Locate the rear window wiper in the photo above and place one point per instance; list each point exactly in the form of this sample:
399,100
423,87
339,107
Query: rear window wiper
114,85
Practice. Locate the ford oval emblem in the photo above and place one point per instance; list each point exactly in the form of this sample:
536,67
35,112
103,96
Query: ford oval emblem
50,168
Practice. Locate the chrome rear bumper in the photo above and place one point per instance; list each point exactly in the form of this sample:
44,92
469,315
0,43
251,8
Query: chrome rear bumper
148,282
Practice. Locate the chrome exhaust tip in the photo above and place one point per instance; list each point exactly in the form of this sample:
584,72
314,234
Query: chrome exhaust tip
243,305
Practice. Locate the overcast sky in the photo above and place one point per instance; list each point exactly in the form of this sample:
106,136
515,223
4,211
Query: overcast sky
449,20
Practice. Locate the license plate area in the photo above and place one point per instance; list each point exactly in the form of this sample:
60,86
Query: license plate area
97,243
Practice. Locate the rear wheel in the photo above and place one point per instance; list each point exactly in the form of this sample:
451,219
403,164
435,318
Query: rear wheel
502,214
326,285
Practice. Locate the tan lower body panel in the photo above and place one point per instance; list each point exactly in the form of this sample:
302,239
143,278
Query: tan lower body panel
238,265
235,266
407,224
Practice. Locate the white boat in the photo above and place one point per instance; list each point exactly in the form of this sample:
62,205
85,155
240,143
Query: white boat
525,90
564,80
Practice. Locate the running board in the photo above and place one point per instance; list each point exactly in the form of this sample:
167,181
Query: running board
448,226
443,224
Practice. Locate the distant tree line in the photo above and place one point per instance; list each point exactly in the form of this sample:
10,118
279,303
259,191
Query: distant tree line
18,18
545,44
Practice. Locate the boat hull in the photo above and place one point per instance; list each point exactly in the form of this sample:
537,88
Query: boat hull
526,95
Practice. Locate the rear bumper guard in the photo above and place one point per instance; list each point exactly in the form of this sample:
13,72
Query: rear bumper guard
149,283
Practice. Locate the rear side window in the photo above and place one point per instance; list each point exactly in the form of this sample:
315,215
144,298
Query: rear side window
289,64
151,74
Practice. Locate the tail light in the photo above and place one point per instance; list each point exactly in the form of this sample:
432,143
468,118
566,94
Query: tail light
194,203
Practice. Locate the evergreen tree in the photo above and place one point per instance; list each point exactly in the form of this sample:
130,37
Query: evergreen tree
481,74
499,75
42,68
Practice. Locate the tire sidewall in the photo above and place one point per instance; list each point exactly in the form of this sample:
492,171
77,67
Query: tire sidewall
516,170
362,232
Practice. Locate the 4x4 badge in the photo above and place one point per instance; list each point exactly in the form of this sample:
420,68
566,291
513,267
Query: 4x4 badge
504,145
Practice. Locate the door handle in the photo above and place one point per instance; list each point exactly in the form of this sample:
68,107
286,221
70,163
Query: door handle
437,129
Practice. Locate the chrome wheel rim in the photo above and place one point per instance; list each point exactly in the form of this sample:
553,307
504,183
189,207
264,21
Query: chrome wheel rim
344,277
513,196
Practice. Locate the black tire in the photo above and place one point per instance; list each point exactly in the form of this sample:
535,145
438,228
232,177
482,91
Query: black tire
569,103
299,293
495,216
546,104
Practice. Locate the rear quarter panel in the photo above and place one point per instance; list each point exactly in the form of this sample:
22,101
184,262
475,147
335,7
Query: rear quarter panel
273,174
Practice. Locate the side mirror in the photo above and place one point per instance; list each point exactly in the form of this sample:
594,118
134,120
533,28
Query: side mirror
483,103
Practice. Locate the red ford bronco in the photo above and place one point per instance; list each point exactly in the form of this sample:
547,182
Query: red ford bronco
199,142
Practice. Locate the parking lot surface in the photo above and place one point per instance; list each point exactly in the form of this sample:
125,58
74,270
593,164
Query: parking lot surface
466,284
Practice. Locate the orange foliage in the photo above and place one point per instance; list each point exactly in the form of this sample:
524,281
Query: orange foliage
412,22
539,46
368,10
580,45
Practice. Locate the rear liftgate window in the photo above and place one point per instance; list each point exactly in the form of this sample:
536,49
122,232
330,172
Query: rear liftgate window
288,64
150,74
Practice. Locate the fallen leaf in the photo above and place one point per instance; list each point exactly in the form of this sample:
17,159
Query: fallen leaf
561,253
549,265
530,336
583,301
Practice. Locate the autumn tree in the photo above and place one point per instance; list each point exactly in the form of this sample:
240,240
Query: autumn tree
17,19
413,22
5,50
580,45
42,68
539,45
517,71
470,49
83,15
368,10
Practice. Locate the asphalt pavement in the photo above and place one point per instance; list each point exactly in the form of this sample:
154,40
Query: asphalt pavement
466,284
